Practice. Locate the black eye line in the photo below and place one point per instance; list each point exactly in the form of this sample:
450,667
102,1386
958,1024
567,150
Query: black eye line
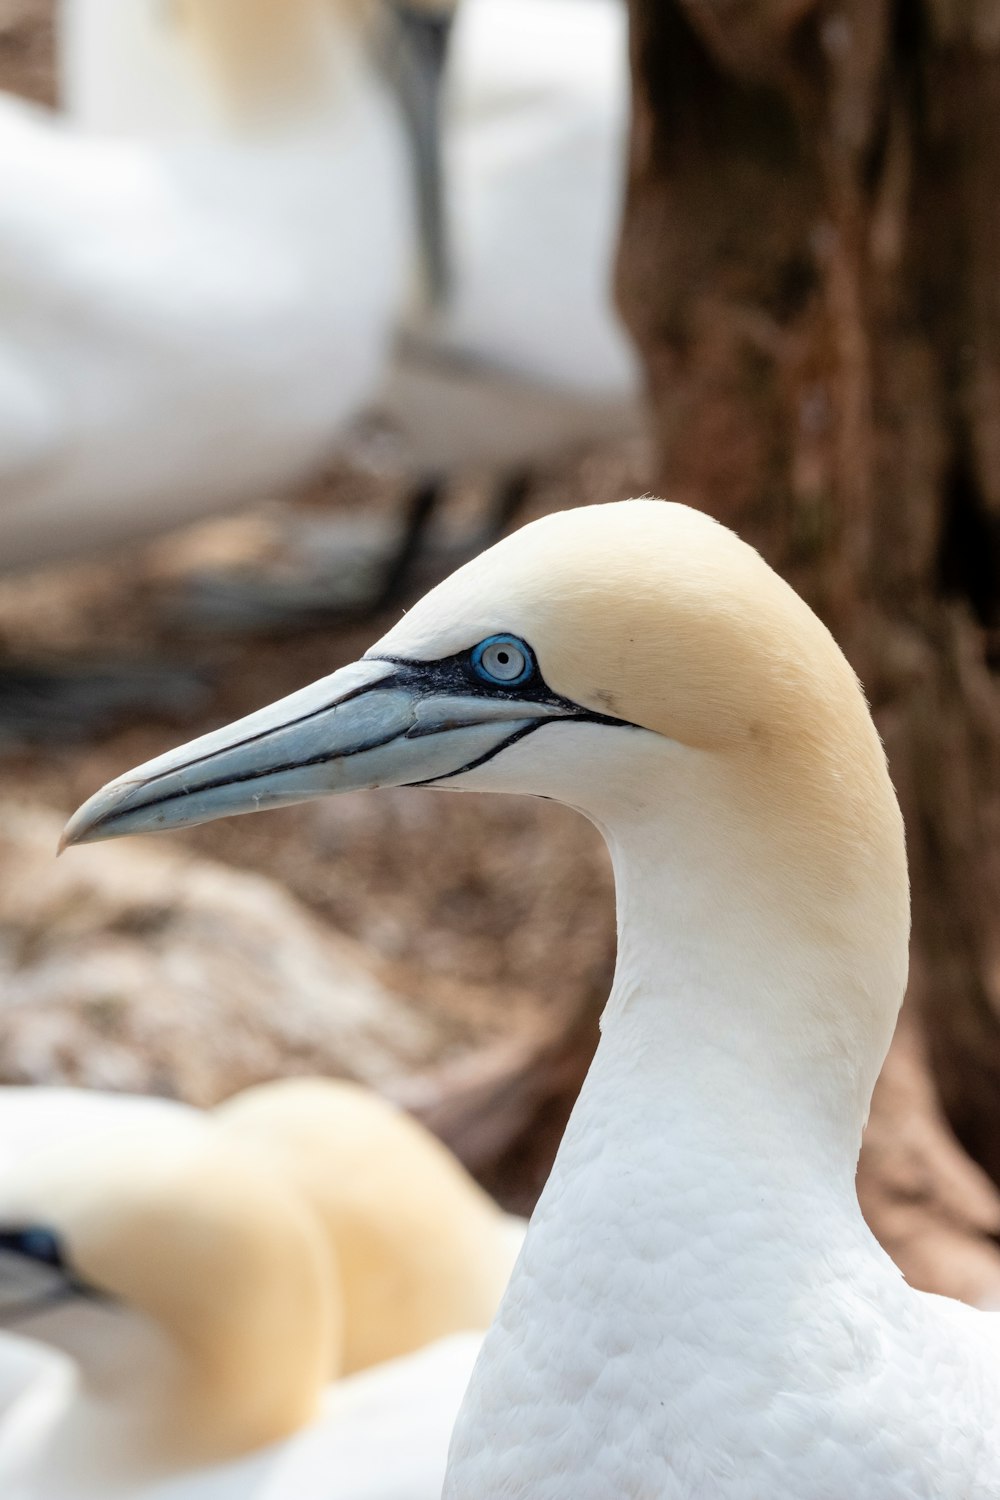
17,1242
456,674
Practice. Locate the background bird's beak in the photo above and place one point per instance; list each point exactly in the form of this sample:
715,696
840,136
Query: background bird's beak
374,723
30,1288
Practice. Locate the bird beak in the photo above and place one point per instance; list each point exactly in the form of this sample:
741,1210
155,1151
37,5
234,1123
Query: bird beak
374,723
415,50
29,1289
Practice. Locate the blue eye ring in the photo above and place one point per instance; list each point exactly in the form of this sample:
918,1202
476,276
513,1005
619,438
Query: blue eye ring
494,647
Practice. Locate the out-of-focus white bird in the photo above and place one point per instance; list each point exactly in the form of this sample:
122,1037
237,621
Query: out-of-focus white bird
199,289
182,1285
33,1118
527,337
33,1121
522,355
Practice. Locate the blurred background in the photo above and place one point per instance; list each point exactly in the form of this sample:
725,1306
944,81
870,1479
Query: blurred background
279,344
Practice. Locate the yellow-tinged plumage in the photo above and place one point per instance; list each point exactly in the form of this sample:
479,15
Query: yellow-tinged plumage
220,1279
418,1248
224,1264
654,613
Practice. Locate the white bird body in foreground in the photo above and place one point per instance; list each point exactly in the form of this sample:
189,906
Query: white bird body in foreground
210,1293
190,318
699,1309
525,353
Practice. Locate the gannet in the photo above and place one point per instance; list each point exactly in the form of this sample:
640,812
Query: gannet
525,352
522,356
416,1248
30,1120
699,1308
202,275
206,1328
420,1249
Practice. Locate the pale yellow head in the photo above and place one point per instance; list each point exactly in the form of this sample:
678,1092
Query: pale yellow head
419,1250
220,1271
680,694
655,614
765,767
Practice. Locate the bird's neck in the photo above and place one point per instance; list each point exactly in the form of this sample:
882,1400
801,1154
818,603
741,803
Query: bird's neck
722,1079
700,1220
761,962
739,1049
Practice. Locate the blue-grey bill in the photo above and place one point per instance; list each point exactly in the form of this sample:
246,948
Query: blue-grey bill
372,724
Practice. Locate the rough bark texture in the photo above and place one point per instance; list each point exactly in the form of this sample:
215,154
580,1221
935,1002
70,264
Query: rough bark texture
811,264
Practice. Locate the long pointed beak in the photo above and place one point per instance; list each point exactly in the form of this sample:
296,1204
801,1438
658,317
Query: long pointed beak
374,723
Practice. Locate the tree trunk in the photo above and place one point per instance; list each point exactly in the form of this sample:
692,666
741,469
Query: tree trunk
811,266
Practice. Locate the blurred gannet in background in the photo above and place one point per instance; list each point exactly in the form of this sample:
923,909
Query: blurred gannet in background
201,271
30,1119
421,1249
522,355
417,1248
190,315
183,1263
699,1308
526,339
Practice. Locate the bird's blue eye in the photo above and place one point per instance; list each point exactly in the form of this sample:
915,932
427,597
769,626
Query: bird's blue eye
503,659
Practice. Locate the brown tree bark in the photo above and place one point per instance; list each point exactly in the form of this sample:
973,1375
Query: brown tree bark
811,265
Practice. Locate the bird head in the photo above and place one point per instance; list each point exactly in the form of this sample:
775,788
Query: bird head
642,664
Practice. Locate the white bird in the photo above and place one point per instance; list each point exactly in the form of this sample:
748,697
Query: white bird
523,355
200,288
415,1246
525,352
33,1120
699,1308
208,1317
